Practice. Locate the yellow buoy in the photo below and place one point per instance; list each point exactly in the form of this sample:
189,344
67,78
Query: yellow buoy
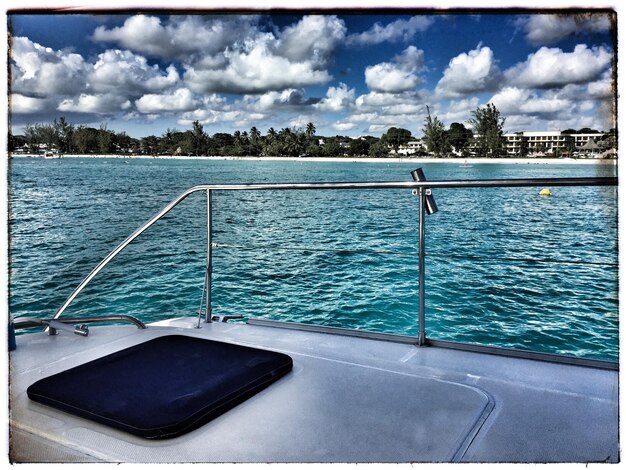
545,192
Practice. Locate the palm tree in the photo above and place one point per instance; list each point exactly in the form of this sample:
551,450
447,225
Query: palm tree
254,145
254,134
310,130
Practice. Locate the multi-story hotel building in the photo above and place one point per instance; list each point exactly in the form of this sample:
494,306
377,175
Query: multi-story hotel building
412,147
548,143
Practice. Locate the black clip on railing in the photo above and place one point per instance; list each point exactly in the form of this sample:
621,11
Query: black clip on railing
431,205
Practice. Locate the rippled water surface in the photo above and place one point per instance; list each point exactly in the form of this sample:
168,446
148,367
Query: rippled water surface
504,267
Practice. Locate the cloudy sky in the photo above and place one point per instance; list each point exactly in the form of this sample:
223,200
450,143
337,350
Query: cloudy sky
349,74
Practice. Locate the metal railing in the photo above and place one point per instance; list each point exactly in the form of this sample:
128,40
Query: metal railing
421,188
65,324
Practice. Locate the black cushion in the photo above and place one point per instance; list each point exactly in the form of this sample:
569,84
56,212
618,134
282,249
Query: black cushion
164,387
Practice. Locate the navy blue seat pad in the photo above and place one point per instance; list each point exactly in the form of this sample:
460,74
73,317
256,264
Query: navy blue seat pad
164,387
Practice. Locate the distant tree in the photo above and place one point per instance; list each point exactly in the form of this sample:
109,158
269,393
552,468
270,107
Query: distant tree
32,138
487,126
608,140
64,132
379,150
289,143
149,145
254,146
459,136
540,148
124,143
587,130
85,140
223,143
105,140
331,147
395,137
310,130
569,131
313,149
167,143
47,135
16,141
255,134
523,147
359,147
199,140
435,135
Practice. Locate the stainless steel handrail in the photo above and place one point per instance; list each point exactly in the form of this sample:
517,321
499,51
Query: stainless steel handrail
498,183
30,322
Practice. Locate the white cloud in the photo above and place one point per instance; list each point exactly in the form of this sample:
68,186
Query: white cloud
409,102
397,76
551,67
602,88
180,100
459,110
210,116
394,110
65,82
546,106
94,104
181,37
140,33
524,122
543,110
379,111
313,39
549,29
278,99
343,126
26,105
397,30
586,105
255,69
337,99
39,71
472,72
233,54
300,122
214,109
123,72
510,99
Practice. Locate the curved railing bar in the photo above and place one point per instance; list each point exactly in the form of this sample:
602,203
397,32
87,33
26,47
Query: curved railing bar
29,322
123,245
597,181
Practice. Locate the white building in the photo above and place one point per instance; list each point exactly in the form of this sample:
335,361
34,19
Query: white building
546,143
411,148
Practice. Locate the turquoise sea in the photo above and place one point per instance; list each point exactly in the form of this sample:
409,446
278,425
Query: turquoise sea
504,267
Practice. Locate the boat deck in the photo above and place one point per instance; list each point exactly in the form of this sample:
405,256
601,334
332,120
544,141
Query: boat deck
347,399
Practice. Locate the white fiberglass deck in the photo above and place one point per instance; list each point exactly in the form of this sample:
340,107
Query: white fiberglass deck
347,399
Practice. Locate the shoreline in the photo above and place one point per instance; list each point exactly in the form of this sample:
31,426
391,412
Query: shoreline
458,161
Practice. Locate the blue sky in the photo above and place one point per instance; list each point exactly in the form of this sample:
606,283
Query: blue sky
349,74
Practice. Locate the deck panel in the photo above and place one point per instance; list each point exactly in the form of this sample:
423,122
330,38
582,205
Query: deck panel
347,399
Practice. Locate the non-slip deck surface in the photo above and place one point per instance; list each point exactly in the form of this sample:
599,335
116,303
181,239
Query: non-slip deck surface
346,400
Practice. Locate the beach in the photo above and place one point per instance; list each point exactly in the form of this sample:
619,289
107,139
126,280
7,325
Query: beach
456,161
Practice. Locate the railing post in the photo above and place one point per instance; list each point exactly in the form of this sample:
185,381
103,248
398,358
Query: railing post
209,254
421,338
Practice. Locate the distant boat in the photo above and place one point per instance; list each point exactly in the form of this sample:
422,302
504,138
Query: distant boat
50,154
